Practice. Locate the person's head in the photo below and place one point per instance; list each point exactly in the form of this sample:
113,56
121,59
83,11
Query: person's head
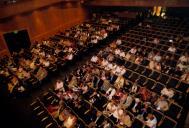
150,116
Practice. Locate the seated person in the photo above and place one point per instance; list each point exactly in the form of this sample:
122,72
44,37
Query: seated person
126,120
162,104
134,88
53,110
73,82
151,121
117,51
157,66
118,42
136,106
183,62
59,85
110,108
123,70
110,57
156,41
167,92
44,62
41,74
139,59
172,49
144,94
110,92
94,59
122,54
118,113
70,121
106,124
128,100
119,83
104,63
22,74
157,57
133,50
185,77
145,110
69,56
12,84
151,55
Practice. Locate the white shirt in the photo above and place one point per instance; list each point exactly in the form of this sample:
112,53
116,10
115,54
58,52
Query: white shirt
118,42
123,70
151,123
112,92
172,49
94,59
122,54
117,113
104,62
166,92
183,59
59,85
110,66
133,51
117,51
70,57
157,58
117,70
94,41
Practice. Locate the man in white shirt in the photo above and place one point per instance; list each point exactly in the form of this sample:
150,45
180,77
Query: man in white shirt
69,57
151,121
157,57
118,42
117,70
110,92
122,54
94,59
133,50
59,85
156,41
172,49
123,70
117,51
167,92
118,113
104,63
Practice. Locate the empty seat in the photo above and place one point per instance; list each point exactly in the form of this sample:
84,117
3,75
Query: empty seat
137,123
155,75
134,77
141,80
168,123
127,74
127,64
172,83
147,72
157,88
174,111
140,69
133,67
183,87
149,84
163,79
159,116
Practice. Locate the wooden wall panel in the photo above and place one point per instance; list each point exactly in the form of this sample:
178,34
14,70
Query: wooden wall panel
44,22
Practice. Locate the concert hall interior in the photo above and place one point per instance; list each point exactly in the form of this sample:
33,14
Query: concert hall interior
94,63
